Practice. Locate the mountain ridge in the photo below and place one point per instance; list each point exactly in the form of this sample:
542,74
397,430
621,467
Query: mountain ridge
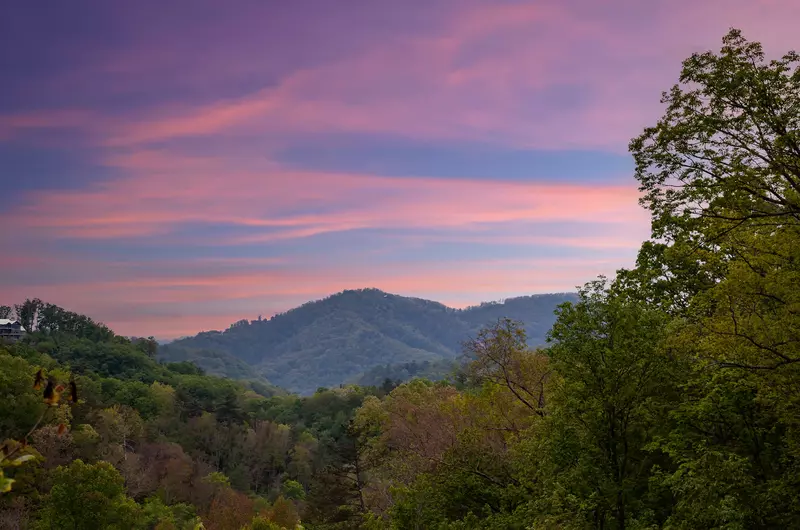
335,339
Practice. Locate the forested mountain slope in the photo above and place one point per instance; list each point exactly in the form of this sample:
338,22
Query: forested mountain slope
331,341
96,433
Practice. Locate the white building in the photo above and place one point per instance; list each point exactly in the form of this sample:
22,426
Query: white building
11,330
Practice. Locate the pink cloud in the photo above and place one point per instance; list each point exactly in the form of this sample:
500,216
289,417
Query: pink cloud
425,86
15,124
486,72
260,289
617,239
164,191
155,201
440,85
544,75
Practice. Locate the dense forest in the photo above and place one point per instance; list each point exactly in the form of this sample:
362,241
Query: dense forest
344,337
399,373
665,397
98,434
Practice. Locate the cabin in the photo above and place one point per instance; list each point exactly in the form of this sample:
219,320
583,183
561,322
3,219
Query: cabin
11,330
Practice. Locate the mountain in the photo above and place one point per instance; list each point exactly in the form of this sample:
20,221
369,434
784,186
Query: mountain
336,339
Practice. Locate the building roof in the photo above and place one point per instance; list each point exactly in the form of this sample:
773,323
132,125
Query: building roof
6,322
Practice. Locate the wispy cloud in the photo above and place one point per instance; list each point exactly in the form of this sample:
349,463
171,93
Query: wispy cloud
183,215
297,204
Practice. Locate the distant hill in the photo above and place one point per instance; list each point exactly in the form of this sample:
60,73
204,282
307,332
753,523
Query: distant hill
335,340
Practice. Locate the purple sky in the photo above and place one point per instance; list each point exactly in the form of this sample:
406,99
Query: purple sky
170,167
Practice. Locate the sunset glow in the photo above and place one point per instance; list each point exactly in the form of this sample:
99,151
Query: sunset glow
169,168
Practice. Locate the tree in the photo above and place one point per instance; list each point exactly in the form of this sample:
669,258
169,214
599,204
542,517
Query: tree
119,429
615,384
435,455
229,509
161,516
723,160
284,513
293,490
87,497
20,403
5,311
735,440
303,456
733,464
171,468
499,355
149,346
336,496
27,313
52,319
721,173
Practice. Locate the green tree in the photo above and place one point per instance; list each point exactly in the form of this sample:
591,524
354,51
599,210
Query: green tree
148,346
260,522
723,160
88,497
610,398
736,437
164,517
119,429
733,465
721,176
20,403
293,490
27,313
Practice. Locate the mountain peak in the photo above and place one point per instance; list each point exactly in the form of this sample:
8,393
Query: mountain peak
329,341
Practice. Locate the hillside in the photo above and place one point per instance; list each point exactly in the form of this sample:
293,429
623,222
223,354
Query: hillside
393,374
331,341
147,444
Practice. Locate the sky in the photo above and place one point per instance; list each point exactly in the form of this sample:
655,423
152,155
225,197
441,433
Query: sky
172,167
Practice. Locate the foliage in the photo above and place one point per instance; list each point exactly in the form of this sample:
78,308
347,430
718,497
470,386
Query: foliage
32,397
721,163
614,387
388,376
261,523
189,448
88,496
291,489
